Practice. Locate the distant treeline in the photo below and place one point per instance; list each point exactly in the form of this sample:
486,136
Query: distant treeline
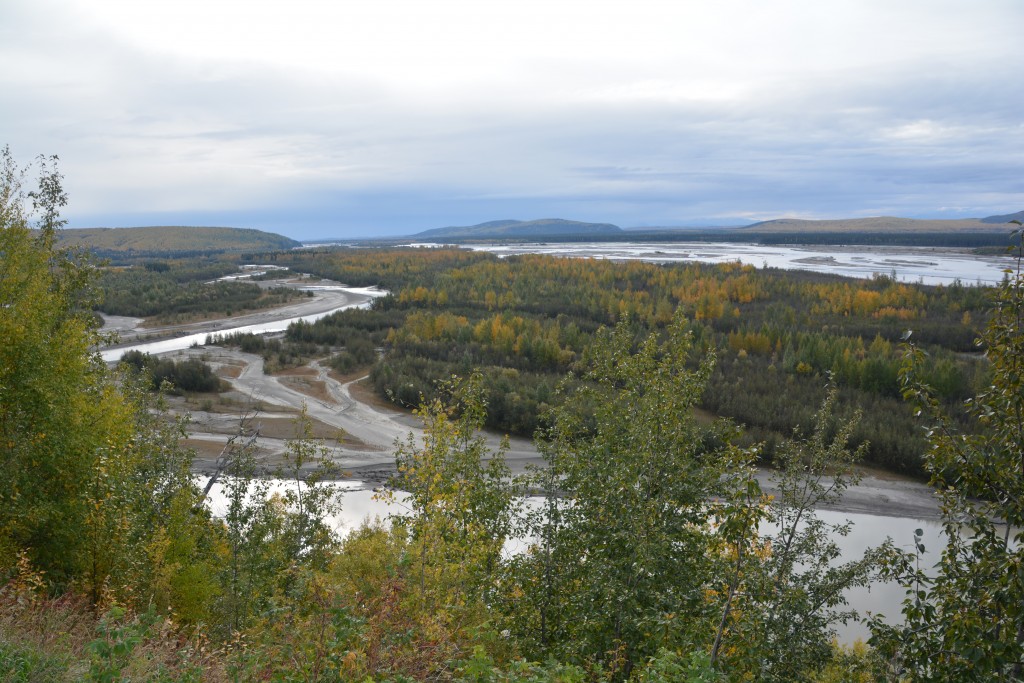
171,241
894,239
130,256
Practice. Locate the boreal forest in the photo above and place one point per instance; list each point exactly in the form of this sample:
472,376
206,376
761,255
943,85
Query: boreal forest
645,550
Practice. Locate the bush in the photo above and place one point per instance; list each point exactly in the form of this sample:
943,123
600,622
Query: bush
187,375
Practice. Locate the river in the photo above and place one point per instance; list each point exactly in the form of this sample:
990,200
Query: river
360,505
928,265
363,295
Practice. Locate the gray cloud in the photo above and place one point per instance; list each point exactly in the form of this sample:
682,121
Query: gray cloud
153,137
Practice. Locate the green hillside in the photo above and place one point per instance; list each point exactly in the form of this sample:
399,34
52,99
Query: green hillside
173,239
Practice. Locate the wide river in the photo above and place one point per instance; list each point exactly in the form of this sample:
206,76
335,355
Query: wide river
931,266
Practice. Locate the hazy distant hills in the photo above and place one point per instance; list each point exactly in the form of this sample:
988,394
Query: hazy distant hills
883,224
1006,218
556,229
173,239
545,228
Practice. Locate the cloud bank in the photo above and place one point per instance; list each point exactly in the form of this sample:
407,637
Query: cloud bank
322,119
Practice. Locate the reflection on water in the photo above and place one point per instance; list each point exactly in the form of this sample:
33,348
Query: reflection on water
868,531
358,504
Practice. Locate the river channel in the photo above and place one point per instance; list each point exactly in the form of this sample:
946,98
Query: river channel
361,297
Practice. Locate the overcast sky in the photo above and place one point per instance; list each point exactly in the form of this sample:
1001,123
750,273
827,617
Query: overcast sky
339,118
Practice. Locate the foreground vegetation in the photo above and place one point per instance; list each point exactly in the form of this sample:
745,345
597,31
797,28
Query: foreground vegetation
649,560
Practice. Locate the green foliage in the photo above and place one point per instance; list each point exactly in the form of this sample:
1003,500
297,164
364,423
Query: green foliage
625,553
111,651
309,498
49,384
460,504
184,292
855,664
481,668
964,616
97,492
309,637
349,338
668,666
524,321
379,578
275,541
253,559
66,639
25,665
787,582
191,374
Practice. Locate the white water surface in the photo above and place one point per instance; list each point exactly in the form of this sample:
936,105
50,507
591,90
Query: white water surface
184,342
360,505
927,265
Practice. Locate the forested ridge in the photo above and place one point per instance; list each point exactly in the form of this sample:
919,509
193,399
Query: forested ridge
653,555
171,241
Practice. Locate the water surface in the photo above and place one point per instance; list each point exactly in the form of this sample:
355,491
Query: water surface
930,266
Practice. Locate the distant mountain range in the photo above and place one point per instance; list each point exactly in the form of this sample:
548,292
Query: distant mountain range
888,224
1005,218
557,228
169,240
542,228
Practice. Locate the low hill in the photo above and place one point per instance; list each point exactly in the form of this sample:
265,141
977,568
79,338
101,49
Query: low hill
544,228
1005,218
173,239
874,224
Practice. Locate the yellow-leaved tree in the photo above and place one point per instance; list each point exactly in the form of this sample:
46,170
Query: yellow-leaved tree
93,486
